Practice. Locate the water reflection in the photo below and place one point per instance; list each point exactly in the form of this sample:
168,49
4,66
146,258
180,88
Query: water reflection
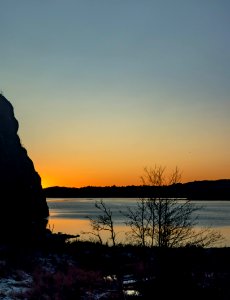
70,216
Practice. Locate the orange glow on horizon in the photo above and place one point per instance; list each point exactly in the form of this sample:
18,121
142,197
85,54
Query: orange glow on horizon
71,178
106,158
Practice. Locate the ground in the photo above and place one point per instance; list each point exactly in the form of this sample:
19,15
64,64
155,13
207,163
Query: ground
59,270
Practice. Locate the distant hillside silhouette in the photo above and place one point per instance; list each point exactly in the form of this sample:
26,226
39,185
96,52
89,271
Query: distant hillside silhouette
197,190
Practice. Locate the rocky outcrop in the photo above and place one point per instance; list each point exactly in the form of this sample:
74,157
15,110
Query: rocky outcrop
23,206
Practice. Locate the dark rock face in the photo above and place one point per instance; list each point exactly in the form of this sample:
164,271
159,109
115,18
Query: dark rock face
23,206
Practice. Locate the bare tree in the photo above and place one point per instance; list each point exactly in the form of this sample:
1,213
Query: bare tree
139,222
96,230
103,222
166,222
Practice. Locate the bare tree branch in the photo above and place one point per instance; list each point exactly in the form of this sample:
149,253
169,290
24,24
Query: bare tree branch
166,222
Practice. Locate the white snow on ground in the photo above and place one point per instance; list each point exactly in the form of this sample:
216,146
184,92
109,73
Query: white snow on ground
13,288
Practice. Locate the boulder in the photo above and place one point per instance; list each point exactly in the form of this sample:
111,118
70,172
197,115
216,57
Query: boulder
23,206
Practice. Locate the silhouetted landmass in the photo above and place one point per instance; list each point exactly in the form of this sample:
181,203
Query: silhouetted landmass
197,190
22,200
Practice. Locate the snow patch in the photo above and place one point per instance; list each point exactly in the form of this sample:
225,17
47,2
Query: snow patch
13,288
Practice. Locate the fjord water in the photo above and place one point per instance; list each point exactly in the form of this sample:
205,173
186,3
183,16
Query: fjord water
70,215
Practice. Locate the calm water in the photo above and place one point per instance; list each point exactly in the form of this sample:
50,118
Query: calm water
69,215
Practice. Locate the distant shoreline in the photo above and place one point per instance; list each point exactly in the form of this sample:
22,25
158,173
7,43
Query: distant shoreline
197,190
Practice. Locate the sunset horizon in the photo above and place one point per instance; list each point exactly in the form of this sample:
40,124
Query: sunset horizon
115,149
138,182
103,90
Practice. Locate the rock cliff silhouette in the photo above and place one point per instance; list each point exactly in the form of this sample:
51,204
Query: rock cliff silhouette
23,206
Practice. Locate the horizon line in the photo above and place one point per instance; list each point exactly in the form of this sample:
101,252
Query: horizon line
138,185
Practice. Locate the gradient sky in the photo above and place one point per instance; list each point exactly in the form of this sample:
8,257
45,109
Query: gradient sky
104,88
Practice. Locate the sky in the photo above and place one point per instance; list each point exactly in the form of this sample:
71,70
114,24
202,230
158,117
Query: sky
104,88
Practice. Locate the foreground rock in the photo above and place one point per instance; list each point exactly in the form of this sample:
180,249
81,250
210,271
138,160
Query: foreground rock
23,207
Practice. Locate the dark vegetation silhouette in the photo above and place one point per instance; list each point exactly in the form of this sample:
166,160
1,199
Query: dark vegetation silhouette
197,190
103,222
86,270
158,221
